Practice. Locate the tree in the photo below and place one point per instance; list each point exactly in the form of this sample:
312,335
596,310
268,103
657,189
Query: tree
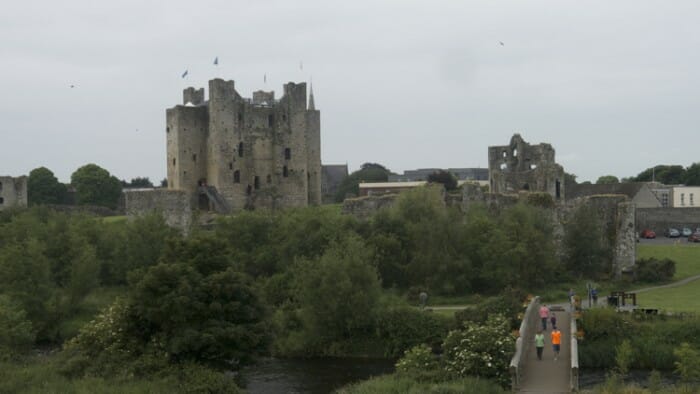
44,188
570,178
95,186
445,178
339,293
666,174
16,331
164,182
586,254
607,179
140,182
368,172
692,175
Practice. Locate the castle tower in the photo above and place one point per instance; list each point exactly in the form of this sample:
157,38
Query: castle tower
259,152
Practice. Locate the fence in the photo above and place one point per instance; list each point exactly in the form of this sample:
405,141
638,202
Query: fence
522,344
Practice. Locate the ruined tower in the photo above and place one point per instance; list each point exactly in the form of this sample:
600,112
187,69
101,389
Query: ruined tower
521,166
231,152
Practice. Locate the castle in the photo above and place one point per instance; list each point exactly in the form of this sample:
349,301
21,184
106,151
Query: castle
229,153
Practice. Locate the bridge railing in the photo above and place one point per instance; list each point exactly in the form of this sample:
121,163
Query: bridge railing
524,341
574,347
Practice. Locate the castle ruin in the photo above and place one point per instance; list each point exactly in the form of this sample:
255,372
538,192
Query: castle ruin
13,192
229,153
521,166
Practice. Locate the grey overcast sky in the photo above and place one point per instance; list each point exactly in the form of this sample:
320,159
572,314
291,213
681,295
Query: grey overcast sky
612,85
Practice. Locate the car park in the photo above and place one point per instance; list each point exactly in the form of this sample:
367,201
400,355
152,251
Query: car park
686,232
672,233
648,234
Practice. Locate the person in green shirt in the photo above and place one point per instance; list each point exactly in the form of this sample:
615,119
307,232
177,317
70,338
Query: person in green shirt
539,344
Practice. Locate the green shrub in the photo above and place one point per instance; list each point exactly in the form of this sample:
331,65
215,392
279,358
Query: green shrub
655,270
197,379
402,328
508,304
687,362
418,362
604,323
480,350
16,332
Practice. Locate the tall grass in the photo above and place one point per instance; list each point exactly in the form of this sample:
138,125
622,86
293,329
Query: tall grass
39,375
393,384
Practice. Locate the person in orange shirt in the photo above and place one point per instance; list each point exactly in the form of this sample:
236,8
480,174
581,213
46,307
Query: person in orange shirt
556,342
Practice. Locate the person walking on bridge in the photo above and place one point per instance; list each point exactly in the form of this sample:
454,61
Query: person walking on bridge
556,342
539,344
553,320
544,315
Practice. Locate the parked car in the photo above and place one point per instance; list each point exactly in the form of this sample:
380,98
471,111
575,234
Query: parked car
648,234
694,237
672,233
686,232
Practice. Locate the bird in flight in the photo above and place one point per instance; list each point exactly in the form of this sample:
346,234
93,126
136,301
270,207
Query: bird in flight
72,86
501,42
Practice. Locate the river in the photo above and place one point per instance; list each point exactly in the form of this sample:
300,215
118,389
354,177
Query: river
309,376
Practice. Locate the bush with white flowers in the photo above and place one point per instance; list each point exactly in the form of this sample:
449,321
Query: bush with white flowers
480,349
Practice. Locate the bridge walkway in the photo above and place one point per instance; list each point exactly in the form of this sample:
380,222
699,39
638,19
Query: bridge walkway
549,376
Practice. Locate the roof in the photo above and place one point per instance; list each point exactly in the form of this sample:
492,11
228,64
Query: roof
384,185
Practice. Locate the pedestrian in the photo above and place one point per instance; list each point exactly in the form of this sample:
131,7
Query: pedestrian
539,344
423,297
553,319
544,315
556,342
571,294
594,294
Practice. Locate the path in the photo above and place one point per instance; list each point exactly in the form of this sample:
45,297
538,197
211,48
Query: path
674,284
549,376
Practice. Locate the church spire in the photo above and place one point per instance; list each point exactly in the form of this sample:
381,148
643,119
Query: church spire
312,106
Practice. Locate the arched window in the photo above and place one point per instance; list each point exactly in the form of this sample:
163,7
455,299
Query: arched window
285,171
269,178
287,153
256,182
240,149
236,176
270,120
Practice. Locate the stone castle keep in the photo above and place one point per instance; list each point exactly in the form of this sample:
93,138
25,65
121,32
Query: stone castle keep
229,153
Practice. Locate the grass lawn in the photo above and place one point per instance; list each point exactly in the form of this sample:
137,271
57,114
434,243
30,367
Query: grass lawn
684,298
686,256
114,219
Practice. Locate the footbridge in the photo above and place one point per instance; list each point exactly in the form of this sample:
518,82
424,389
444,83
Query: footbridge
530,375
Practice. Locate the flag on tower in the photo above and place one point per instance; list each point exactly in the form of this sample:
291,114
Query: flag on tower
184,74
265,78
216,61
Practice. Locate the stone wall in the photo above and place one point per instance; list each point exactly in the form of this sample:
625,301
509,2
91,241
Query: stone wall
365,207
659,219
174,205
